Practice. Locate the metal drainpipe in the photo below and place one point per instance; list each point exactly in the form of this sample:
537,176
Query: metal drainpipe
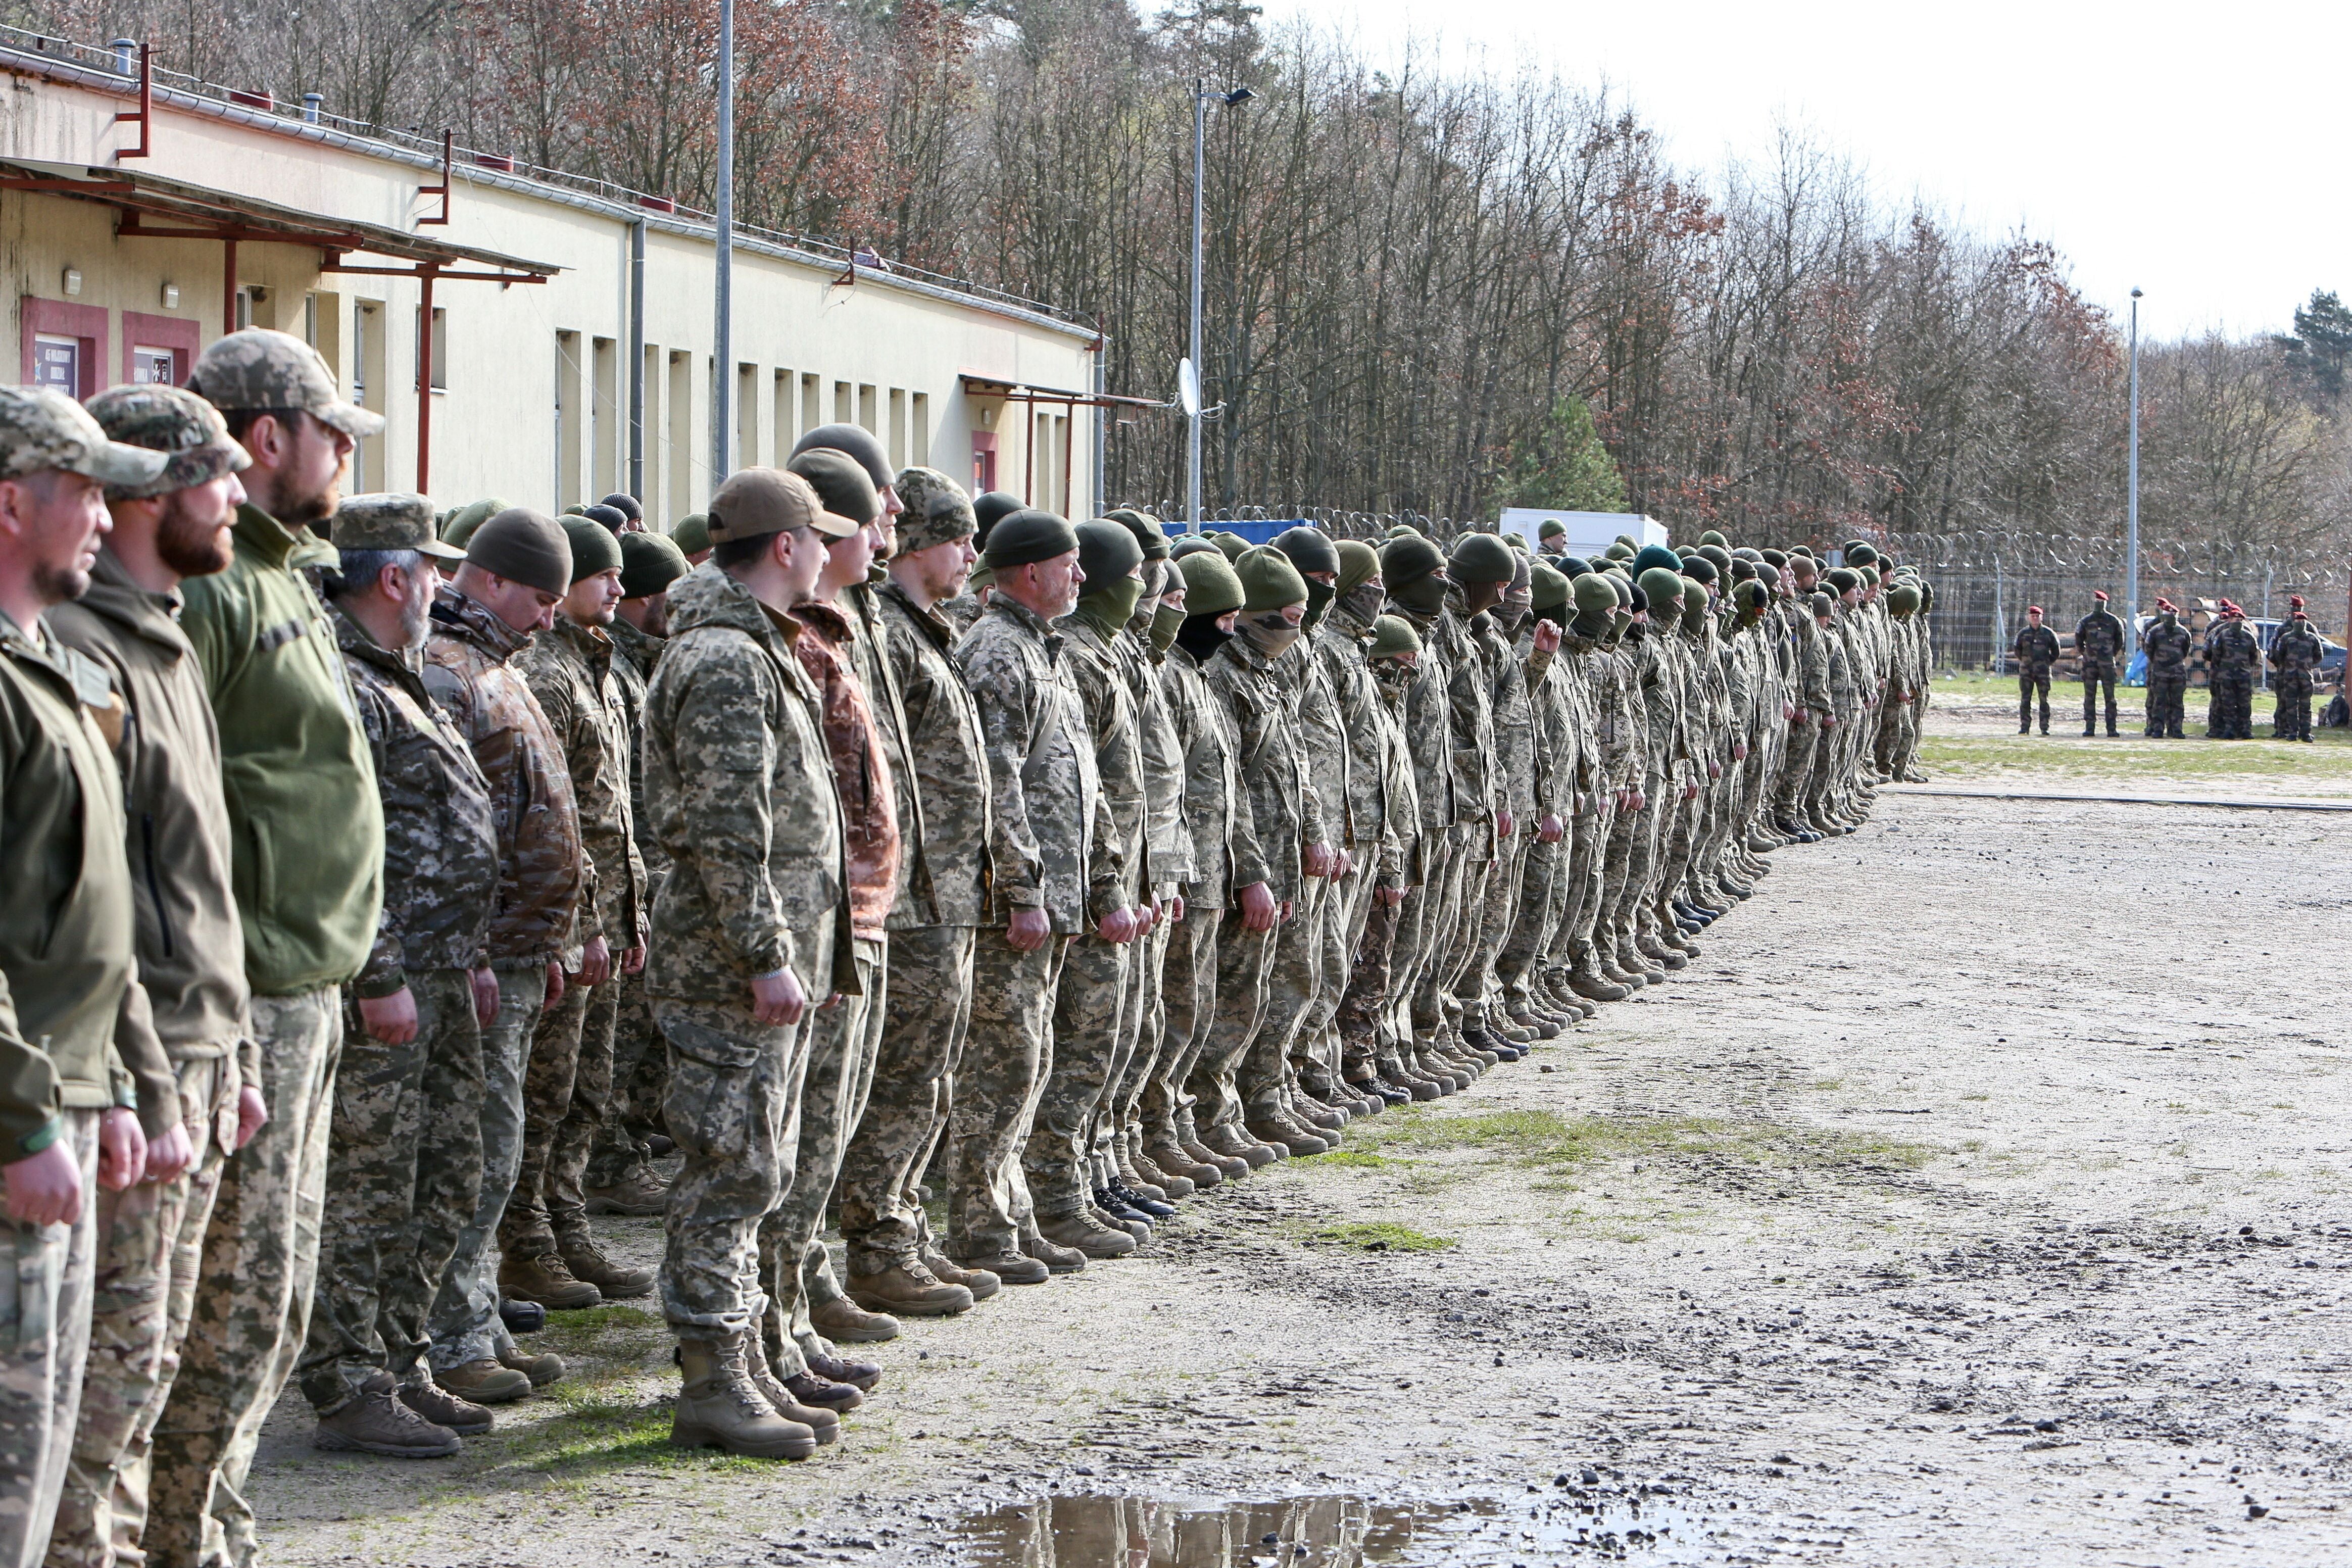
637,361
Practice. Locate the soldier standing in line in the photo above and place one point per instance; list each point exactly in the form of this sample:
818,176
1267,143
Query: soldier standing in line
74,1025
406,1160
620,1178
1052,862
190,948
2167,644
518,568
2296,655
546,1252
1480,568
752,933
308,825
2099,643
2233,660
2035,650
943,899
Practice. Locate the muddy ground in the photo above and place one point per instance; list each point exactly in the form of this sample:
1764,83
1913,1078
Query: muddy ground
1979,1197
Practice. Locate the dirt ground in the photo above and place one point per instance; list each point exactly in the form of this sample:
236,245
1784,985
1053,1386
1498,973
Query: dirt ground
1978,1196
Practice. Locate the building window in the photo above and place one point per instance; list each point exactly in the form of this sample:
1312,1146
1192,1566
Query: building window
920,451
57,363
153,367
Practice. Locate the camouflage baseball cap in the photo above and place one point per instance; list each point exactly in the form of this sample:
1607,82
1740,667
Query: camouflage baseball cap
41,427
937,510
173,421
391,520
257,368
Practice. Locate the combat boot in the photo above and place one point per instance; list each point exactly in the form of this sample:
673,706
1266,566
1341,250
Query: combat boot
1057,1258
820,1409
375,1421
546,1281
542,1369
1274,1125
842,1318
719,1407
862,1375
1586,980
1010,1267
1125,1172
1412,1084
1173,1159
909,1291
1154,1174
978,1281
489,1382
1225,1138
615,1281
640,1193
1314,1114
1085,1235
1116,1216
443,1408
1541,1028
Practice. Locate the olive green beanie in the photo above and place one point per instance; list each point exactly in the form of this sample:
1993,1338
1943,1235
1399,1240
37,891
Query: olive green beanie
692,534
1359,564
1481,558
1547,587
1659,584
1408,560
1232,543
465,519
1211,586
1269,582
1902,599
1393,634
593,547
650,562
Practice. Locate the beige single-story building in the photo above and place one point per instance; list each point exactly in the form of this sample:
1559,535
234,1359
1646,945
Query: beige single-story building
571,330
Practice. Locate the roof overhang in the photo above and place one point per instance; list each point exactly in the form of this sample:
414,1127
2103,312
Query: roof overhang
1019,392
154,208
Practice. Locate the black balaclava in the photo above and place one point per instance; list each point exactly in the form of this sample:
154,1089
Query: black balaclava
1199,637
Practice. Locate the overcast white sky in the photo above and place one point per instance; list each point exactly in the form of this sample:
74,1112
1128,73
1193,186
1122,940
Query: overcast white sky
2199,153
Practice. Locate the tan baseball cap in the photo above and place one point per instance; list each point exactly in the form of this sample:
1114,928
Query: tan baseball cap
391,520
755,501
41,427
257,368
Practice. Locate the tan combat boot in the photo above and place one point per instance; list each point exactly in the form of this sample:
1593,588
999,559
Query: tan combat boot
719,1407
908,1289
376,1422
589,1262
978,1281
822,1420
843,1319
546,1281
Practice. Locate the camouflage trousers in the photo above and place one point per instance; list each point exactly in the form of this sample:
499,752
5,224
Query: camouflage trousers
2098,680
844,1041
1898,738
1188,1000
1006,1055
1465,921
1587,845
2166,698
465,1323
1428,939
733,1109
1506,893
252,1308
1245,965
1090,1015
2031,684
1796,765
2292,720
2230,707
927,1013
404,1169
1367,1012
44,1308
640,1069
1122,1113
150,1242
567,1093
1271,1060
1542,888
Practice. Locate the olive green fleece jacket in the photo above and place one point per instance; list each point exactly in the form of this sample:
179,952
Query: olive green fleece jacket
306,824
68,979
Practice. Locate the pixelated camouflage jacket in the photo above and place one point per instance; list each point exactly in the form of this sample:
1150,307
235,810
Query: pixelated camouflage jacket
1165,837
2035,649
1322,741
1265,755
1055,847
440,841
1340,641
1216,808
1092,658
640,652
743,794
1511,717
1469,700
945,882
570,672
544,878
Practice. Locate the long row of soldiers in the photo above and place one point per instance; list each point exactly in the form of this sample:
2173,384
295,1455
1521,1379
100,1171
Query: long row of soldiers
389,890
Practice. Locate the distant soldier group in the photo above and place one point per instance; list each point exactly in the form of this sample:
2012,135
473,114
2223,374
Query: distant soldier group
2234,661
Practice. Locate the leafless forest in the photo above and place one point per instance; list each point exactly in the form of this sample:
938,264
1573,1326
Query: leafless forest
1425,293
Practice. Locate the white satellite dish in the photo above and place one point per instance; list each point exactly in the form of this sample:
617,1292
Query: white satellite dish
1188,388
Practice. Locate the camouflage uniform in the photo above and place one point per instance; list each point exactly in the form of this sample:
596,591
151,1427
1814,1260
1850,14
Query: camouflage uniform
1562,765
2099,645
470,671
640,1060
568,1085
1052,847
943,899
1302,944
2036,650
1477,801
1092,1005
741,788
1512,720
843,1040
1373,813
191,954
2168,645
2234,658
1427,722
2296,655
406,1165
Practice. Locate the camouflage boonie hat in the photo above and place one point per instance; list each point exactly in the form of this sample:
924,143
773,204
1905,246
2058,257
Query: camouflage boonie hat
171,420
391,520
937,510
257,368
41,427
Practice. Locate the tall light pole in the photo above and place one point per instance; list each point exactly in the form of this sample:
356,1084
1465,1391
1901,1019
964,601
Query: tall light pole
1200,97
722,353
2131,504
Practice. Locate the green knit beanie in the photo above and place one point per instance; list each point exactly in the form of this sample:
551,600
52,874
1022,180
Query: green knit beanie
1269,582
1232,543
1359,564
1652,555
650,562
1547,587
1393,634
692,534
593,547
1715,537
1481,558
1408,560
465,519
1658,584
1211,586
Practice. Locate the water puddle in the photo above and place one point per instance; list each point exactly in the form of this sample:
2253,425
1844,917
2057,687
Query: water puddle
1563,1524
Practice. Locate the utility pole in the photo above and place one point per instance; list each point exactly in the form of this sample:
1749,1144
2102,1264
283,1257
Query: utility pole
722,373
2131,505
